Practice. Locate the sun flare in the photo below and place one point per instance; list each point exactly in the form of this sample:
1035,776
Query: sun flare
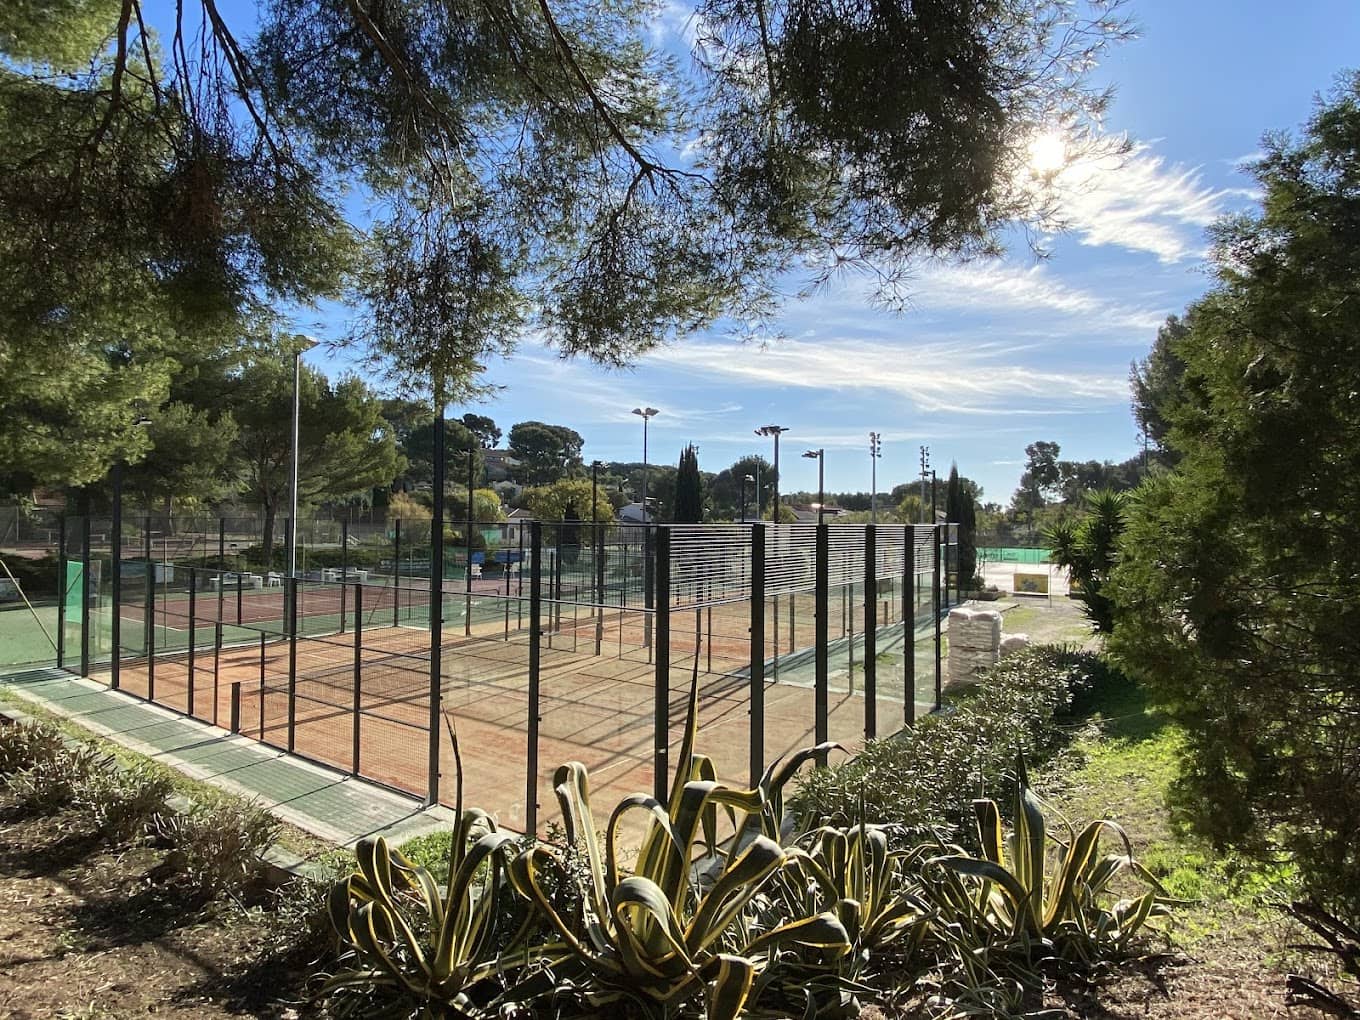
1048,153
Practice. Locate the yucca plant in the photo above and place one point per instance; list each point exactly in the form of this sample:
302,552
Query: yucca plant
433,948
691,917
1053,899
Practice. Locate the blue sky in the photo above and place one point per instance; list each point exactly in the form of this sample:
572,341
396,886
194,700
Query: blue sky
993,356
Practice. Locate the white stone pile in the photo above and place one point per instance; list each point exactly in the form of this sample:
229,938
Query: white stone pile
974,642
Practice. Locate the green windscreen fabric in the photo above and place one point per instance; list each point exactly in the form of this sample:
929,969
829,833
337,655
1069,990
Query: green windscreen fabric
71,591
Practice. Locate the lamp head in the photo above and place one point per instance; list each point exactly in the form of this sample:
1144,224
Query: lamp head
813,454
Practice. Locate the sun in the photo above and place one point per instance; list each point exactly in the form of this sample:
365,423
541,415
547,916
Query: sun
1047,153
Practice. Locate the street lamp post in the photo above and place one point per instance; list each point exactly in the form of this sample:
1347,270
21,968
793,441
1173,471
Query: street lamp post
744,480
875,451
646,413
301,345
820,457
773,430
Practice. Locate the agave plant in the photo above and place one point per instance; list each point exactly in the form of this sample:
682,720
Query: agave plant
851,872
1056,898
691,916
434,948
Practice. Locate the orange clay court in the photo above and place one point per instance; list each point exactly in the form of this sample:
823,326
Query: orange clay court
597,709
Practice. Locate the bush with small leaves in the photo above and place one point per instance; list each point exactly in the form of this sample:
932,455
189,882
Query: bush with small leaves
124,804
221,844
926,778
24,745
53,783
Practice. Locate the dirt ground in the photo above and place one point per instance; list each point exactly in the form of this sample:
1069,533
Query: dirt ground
85,933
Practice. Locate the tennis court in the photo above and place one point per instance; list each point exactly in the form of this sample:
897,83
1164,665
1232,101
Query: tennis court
587,654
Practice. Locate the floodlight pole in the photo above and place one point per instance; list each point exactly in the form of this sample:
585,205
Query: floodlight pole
646,413
819,455
301,344
925,473
875,451
776,431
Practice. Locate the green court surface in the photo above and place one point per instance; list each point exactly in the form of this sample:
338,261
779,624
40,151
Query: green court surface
22,639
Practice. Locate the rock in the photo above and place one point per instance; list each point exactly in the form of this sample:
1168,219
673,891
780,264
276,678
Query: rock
1013,643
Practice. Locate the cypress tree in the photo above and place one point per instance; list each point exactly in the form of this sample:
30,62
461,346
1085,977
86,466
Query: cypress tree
689,503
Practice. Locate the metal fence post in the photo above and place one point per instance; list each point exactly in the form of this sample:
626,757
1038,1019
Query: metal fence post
396,577
193,634
599,587
262,685
85,627
436,612
935,608
116,542
150,617
870,632
62,592
236,706
661,700
290,594
344,570
909,627
217,662
358,670
757,652
822,612
535,640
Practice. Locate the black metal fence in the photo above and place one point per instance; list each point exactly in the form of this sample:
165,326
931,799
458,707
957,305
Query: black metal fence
555,641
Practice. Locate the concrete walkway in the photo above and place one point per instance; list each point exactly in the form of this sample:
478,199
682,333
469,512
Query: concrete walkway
331,805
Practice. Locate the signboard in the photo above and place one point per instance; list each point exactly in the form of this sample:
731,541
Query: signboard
1030,584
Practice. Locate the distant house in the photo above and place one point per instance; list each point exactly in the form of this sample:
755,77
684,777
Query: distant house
500,465
807,512
632,513
514,528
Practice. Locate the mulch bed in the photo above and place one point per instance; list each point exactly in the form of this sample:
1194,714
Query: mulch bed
92,931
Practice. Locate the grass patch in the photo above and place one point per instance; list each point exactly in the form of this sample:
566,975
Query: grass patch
1121,766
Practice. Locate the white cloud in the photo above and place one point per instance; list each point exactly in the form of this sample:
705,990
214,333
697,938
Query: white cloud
957,378
1004,287
675,21
1141,203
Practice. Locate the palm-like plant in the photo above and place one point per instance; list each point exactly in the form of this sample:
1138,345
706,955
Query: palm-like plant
1087,548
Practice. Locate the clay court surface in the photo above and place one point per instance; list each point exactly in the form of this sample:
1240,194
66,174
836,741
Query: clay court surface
596,709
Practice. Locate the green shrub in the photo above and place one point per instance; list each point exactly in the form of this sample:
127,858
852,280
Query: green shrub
24,745
53,781
926,778
221,844
123,804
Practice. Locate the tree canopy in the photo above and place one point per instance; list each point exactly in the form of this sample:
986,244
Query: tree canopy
546,453
541,168
345,446
1238,584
